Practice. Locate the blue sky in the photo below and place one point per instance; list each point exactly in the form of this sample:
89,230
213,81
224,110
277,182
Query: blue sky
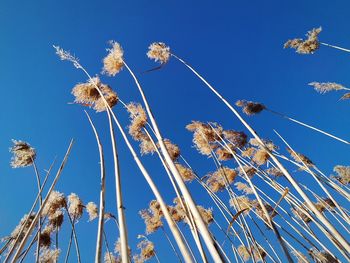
236,45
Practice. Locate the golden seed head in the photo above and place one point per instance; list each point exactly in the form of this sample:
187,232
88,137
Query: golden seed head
218,180
87,94
186,173
307,46
250,108
75,206
147,249
300,158
238,139
113,62
274,172
110,258
323,87
173,149
23,154
205,136
244,188
92,210
343,174
158,51
55,202
22,224
49,255
206,214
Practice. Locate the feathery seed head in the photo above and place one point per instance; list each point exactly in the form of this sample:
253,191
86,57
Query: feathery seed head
238,139
113,62
75,206
343,174
218,180
250,108
323,87
307,46
55,202
23,154
186,173
92,210
49,255
158,51
110,258
87,93
65,55
244,188
300,158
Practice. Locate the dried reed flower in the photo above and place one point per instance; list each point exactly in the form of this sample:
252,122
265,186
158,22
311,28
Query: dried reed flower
249,107
238,139
159,52
87,94
274,172
138,119
118,248
223,154
249,170
248,152
49,255
110,258
147,249
260,157
92,210
300,257
146,146
244,188
244,253
173,149
345,96
307,46
75,206
45,237
323,87
56,219
113,62
206,214
298,156
186,173
154,206
152,217
243,202
55,202
205,136
65,55
217,181
23,154
343,174
267,143
22,224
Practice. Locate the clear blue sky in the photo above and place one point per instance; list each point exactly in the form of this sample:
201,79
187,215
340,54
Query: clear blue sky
236,45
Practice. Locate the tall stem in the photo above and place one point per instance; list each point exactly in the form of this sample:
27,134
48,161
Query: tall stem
120,207
99,240
207,238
